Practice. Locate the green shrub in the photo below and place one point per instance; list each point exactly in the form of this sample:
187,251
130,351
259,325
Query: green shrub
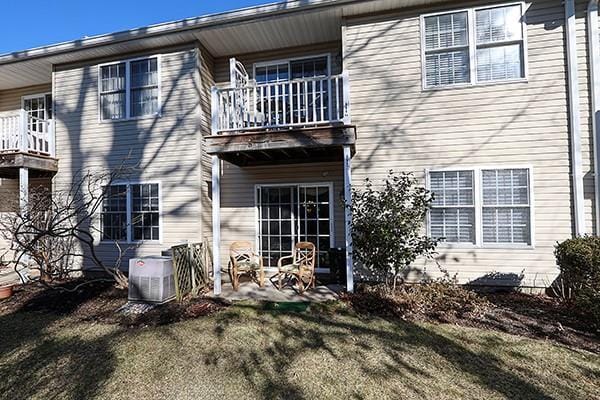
388,224
579,263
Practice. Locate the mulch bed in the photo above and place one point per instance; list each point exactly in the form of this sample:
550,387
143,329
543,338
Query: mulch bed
99,302
539,317
533,316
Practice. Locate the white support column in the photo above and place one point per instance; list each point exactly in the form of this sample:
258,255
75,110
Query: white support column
348,218
575,118
216,222
214,104
594,56
23,189
23,139
347,119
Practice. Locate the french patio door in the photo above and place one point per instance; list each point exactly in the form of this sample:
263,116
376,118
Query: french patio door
293,213
39,107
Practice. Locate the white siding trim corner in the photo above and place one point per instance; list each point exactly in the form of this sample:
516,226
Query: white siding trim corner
575,118
594,56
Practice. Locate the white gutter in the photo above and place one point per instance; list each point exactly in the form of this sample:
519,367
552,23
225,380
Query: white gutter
594,56
575,118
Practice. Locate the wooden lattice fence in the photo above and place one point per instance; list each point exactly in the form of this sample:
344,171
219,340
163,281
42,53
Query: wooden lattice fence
191,264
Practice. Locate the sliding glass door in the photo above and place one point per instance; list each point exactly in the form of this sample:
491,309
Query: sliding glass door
291,213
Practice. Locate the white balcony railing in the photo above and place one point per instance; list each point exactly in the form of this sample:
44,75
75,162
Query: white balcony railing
296,103
20,132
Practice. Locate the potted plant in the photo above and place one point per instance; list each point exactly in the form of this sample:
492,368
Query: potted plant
6,291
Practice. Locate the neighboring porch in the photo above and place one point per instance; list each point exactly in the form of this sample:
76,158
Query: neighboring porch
27,149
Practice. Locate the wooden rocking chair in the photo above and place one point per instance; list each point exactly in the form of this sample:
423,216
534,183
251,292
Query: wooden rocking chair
243,260
301,268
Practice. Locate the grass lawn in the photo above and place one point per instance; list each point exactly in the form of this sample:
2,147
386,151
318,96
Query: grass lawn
250,352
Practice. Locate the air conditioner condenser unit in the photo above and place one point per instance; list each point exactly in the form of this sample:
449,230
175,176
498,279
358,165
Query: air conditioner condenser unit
151,279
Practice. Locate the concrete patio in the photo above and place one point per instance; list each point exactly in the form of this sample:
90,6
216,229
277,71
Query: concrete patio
250,290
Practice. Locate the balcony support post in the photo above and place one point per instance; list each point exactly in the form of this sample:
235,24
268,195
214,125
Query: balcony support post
348,218
51,138
214,104
23,189
346,98
216,223
23,140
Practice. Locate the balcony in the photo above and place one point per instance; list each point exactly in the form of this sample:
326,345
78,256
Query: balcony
26,142
303,120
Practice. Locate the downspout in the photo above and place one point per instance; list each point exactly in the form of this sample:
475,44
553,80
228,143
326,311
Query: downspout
594,56
574,117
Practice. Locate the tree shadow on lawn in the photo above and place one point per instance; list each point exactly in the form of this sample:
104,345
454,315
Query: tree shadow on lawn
268,368
279,354
38,360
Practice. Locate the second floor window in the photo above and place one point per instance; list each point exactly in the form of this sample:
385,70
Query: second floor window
129,89
472,46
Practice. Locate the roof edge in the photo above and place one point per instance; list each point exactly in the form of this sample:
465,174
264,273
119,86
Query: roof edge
222,18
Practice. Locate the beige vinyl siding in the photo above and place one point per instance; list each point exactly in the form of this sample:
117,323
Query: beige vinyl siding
403,127
10,100
165,149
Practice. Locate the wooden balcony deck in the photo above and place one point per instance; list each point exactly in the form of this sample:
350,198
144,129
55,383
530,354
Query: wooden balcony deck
26,142
282,146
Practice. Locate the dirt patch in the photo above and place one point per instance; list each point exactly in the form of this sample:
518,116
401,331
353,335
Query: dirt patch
99,302
538,317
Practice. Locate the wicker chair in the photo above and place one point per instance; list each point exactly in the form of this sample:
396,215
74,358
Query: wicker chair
244,261
299,266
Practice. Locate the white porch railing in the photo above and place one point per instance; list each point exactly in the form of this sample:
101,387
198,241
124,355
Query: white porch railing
295,103
20,132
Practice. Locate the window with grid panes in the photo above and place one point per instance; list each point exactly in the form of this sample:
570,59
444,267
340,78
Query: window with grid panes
506,207
131,212
129,89
452,216
114,213
497,50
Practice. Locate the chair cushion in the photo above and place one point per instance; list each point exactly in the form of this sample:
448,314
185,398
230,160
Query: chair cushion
248,265
290,268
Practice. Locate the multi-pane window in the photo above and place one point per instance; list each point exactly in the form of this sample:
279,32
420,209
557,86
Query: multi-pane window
452,215
129,89
39,109
499,43
144,87
112,91
474,46
131,212
447,49
506,206
114,213
492,202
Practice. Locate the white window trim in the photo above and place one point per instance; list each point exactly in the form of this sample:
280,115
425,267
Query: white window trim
473,48
37,96
288,61
129,212
294,232
478,201
127,63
